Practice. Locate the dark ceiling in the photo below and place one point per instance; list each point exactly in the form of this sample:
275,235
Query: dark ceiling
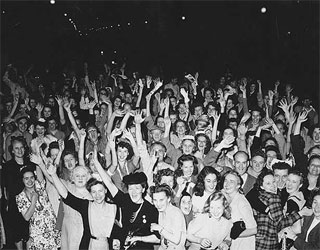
282,43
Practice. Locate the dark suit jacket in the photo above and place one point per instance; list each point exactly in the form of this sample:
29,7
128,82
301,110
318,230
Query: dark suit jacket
313,237
248,185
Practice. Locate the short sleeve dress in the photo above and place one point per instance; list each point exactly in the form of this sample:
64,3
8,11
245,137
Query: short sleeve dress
43,234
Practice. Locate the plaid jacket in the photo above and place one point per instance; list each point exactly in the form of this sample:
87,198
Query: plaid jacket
270,224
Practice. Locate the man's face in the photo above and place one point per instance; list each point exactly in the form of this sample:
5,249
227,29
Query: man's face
173,118
51,102
198,111
128,97
23,125
281,176
52,125
241,163
258,163
182,108
316,135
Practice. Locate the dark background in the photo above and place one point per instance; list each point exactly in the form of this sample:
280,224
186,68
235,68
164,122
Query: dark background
213,37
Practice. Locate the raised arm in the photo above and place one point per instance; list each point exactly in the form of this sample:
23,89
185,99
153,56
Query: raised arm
81,148
52,171
105,178
141,86
61,111
67,107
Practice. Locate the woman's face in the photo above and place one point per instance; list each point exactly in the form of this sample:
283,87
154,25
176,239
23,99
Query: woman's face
40,130
208,94
180,128
210,183
314,167
80,177
161,201
28,179
269,184
54,153
186,204
187,147
187,168
135,192
18,149
216,209
293,183
167,179
98,193
201,141
47,112
231,184
122,154
117,102
69,161
316,206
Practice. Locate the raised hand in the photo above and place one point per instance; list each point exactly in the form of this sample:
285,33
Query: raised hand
36,159
242,88
158,97
270,94
67,106
93,84
127,134
162,105
227,142
26,101
119,113
302,117
276,84
294,100
92,104
149,81
284,105
138,118
116,132
51,169
59,100
39,107
242,129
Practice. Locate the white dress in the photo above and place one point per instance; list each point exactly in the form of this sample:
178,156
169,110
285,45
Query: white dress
241,210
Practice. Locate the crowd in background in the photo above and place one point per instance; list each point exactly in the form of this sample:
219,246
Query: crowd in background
117,159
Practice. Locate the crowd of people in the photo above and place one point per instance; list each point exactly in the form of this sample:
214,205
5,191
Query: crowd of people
117,159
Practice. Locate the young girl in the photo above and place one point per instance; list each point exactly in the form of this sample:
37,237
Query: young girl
211,229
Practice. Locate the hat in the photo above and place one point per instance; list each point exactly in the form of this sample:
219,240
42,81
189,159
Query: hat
54,144
19,117
203,118
188,137
135,178
155,127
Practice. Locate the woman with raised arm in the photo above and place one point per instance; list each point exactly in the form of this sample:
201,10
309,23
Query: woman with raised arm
34,205
98,216
137,213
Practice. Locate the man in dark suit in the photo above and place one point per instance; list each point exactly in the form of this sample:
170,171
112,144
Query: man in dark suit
241,164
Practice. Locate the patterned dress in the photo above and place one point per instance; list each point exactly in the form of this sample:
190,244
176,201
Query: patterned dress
43,234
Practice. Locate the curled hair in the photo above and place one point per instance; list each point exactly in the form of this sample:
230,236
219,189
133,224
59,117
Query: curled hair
92,182
87,170
218,196
63,172
164,172
161,188
199,187
20,139
236,174
312,148
259,181
184,158
299,174
124,144
185,125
